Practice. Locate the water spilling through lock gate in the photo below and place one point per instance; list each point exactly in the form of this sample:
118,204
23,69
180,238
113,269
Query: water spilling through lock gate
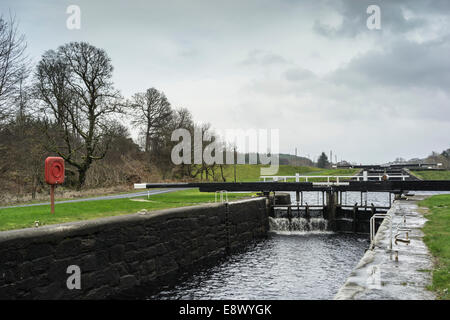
299,260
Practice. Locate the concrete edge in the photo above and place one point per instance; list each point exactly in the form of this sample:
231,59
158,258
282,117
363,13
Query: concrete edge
350,289
353,289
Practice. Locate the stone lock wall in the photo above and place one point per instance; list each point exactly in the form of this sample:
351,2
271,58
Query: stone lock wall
117,255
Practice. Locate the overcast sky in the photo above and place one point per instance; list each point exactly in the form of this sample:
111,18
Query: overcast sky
310,68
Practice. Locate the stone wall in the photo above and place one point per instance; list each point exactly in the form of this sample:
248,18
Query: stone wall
117,255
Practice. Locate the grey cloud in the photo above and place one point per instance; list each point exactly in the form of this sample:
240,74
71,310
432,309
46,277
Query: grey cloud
201,54
298,74
393,17
273,59
189,52
263,58
404,64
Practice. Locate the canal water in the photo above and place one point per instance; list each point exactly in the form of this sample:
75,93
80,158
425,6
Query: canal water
297,264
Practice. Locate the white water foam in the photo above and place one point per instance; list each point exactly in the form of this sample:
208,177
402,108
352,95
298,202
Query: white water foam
298,225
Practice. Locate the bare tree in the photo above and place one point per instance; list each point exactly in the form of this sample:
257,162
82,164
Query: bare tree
13,74
13,68
181,118
52,86
152,111
79,100
22,152
204,170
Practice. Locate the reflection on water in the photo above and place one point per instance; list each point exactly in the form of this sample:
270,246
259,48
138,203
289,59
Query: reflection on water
298,265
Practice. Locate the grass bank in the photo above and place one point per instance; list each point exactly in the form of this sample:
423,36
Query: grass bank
433,175
437,238
17,218
244,173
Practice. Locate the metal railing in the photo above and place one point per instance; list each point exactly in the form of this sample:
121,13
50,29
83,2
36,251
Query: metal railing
399,229
221,193
338,179
372,227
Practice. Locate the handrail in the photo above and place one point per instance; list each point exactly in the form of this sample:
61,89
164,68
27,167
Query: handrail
360,206
299,205
298,177
372,227
221,193
399,229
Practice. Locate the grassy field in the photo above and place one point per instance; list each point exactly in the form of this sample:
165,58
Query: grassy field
247,173
433,175
437,238
16,218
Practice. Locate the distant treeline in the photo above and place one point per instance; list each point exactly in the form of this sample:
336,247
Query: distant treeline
67,105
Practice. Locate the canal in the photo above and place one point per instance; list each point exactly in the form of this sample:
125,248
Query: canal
298,264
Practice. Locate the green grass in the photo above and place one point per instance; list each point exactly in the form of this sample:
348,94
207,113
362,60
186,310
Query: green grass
437,238
247,172
433,175
16,218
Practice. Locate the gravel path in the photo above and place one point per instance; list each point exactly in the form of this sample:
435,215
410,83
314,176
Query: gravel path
117,196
